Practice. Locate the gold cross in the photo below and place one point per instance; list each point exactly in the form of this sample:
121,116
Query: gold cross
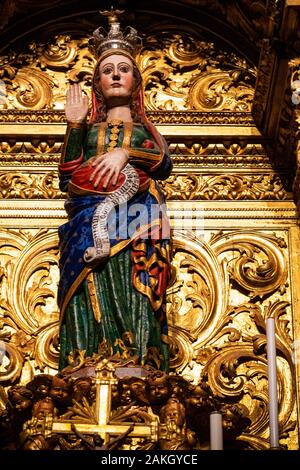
102,424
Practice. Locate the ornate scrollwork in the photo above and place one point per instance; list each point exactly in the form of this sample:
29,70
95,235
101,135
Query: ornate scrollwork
19,185
260,268
35,152
214,331
228,334
40,81
39,151
36,116
34,186
157,117
46,353
180,73
32,89
224,288
186,76
208,92
28,310
235,154
225,187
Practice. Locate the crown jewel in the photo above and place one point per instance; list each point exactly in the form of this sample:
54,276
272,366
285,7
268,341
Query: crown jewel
101,41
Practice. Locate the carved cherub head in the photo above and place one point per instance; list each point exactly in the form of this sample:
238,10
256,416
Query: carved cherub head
40,386
235,419
43,408
37,442
157,387
60,390
20,397
173,412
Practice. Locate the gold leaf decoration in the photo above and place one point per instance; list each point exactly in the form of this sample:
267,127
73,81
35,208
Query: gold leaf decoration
11,362
200,277
220,91
223,290
28,310
260,267
46,352
227,187
180,73
59,55
194,186
40,82
34,186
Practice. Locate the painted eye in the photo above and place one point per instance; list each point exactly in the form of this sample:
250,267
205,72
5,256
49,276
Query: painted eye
107,70
124,69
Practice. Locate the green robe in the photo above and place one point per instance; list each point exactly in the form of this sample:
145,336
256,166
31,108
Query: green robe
126,325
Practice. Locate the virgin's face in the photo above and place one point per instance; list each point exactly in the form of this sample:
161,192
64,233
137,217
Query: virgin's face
116,77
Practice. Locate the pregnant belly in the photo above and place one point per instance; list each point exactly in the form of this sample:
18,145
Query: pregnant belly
80,182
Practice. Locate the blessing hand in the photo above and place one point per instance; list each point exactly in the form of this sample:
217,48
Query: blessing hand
77,106
110,165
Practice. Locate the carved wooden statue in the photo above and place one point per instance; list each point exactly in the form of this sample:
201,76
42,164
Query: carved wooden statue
115,248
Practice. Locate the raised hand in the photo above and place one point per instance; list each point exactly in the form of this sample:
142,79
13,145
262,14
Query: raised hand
77,105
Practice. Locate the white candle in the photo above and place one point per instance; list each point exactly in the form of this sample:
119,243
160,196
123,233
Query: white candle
216,431
272,383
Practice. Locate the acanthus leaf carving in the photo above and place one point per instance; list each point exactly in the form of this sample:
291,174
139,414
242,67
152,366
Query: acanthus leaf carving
28,310
180,72
260,268
228,338
189,75
227,187
18,185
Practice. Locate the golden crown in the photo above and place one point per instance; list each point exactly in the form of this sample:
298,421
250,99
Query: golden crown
127,41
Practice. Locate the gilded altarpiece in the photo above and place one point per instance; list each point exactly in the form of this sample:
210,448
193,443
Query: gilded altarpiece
236,248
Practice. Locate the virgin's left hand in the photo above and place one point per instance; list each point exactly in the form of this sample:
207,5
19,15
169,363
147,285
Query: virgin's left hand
109,165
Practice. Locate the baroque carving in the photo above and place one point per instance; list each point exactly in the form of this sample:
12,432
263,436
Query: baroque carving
180,73
36,146
220,305
157,117
36,116
19,185
222,289
99,408
236,154
28,311
221,292
225,187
